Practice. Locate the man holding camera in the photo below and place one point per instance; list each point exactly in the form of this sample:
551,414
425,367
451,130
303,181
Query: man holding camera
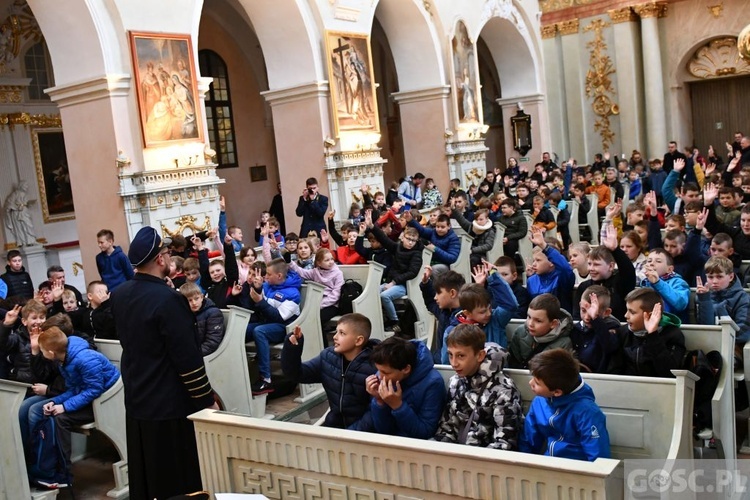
312,207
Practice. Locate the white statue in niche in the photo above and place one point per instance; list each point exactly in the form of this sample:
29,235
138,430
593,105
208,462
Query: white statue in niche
18,217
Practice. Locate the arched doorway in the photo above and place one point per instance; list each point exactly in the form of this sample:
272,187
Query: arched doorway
493,113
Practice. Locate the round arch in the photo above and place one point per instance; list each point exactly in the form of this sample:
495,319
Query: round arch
294,46
414,43
513,53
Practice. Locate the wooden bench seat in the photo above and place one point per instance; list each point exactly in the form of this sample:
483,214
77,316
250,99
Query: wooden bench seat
707,338
368,303
647,418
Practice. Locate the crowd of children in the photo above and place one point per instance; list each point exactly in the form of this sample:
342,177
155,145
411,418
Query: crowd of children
684,225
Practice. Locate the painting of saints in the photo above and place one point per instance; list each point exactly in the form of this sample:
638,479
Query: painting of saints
166,91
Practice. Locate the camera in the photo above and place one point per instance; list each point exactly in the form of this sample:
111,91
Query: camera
309,191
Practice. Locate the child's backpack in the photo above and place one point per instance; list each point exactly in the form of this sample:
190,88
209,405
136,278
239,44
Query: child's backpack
350,290
49,468
708,367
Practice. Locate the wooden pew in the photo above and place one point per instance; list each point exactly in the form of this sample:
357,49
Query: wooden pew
647,418
227,370
368,303
14,483
424,327
309,321
592,218
462,264
574,229
497,247
707,338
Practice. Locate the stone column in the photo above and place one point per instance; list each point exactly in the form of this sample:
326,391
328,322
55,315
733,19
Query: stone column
653,73
556,95
629,62
424,115
575,98
301,124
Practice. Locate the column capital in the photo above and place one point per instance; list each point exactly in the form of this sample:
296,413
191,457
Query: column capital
427,94
651,9
568,27
302,92
624,15
549,31
102,87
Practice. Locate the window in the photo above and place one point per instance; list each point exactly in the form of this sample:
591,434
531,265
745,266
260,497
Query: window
37,64
219,109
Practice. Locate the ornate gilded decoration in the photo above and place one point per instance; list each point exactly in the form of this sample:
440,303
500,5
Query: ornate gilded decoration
553,5
568,27
716,10
427,6
743,43
549,31
718,58
76,267
599,84
651,9
474,176
624,15
26,119
10,94
186,222
19,25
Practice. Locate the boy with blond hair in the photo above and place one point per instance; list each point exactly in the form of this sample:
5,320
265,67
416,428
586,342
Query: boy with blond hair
209,320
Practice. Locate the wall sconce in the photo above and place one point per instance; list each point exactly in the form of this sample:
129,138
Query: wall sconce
521,127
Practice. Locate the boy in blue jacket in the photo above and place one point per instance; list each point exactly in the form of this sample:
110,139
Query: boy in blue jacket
342,369
723,295
443,241
551,272
408,393
87,373
491,308
564,419
112,263
660,276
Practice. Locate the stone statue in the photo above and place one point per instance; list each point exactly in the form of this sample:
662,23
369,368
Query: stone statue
18,216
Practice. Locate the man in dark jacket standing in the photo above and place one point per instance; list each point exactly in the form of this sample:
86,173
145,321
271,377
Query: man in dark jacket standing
163,373
312,207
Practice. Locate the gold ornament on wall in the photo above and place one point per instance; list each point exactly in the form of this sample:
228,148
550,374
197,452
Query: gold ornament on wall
599,87
743,43
186,222
554,5
718,58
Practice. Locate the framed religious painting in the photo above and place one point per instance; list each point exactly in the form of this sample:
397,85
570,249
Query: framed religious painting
351,82
53,177
164,77
466,76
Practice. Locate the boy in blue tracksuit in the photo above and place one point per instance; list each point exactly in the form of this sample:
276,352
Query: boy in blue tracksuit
564,419
552,272
443,241
408,393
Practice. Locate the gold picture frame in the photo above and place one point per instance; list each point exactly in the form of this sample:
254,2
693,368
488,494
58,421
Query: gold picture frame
52,174
166,86
351,82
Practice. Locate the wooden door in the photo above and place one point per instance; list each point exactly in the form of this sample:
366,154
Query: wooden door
720,107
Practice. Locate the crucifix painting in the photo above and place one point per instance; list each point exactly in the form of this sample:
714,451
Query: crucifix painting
351,83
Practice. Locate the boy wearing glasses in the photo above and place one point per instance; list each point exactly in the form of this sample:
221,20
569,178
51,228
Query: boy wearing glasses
407,262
